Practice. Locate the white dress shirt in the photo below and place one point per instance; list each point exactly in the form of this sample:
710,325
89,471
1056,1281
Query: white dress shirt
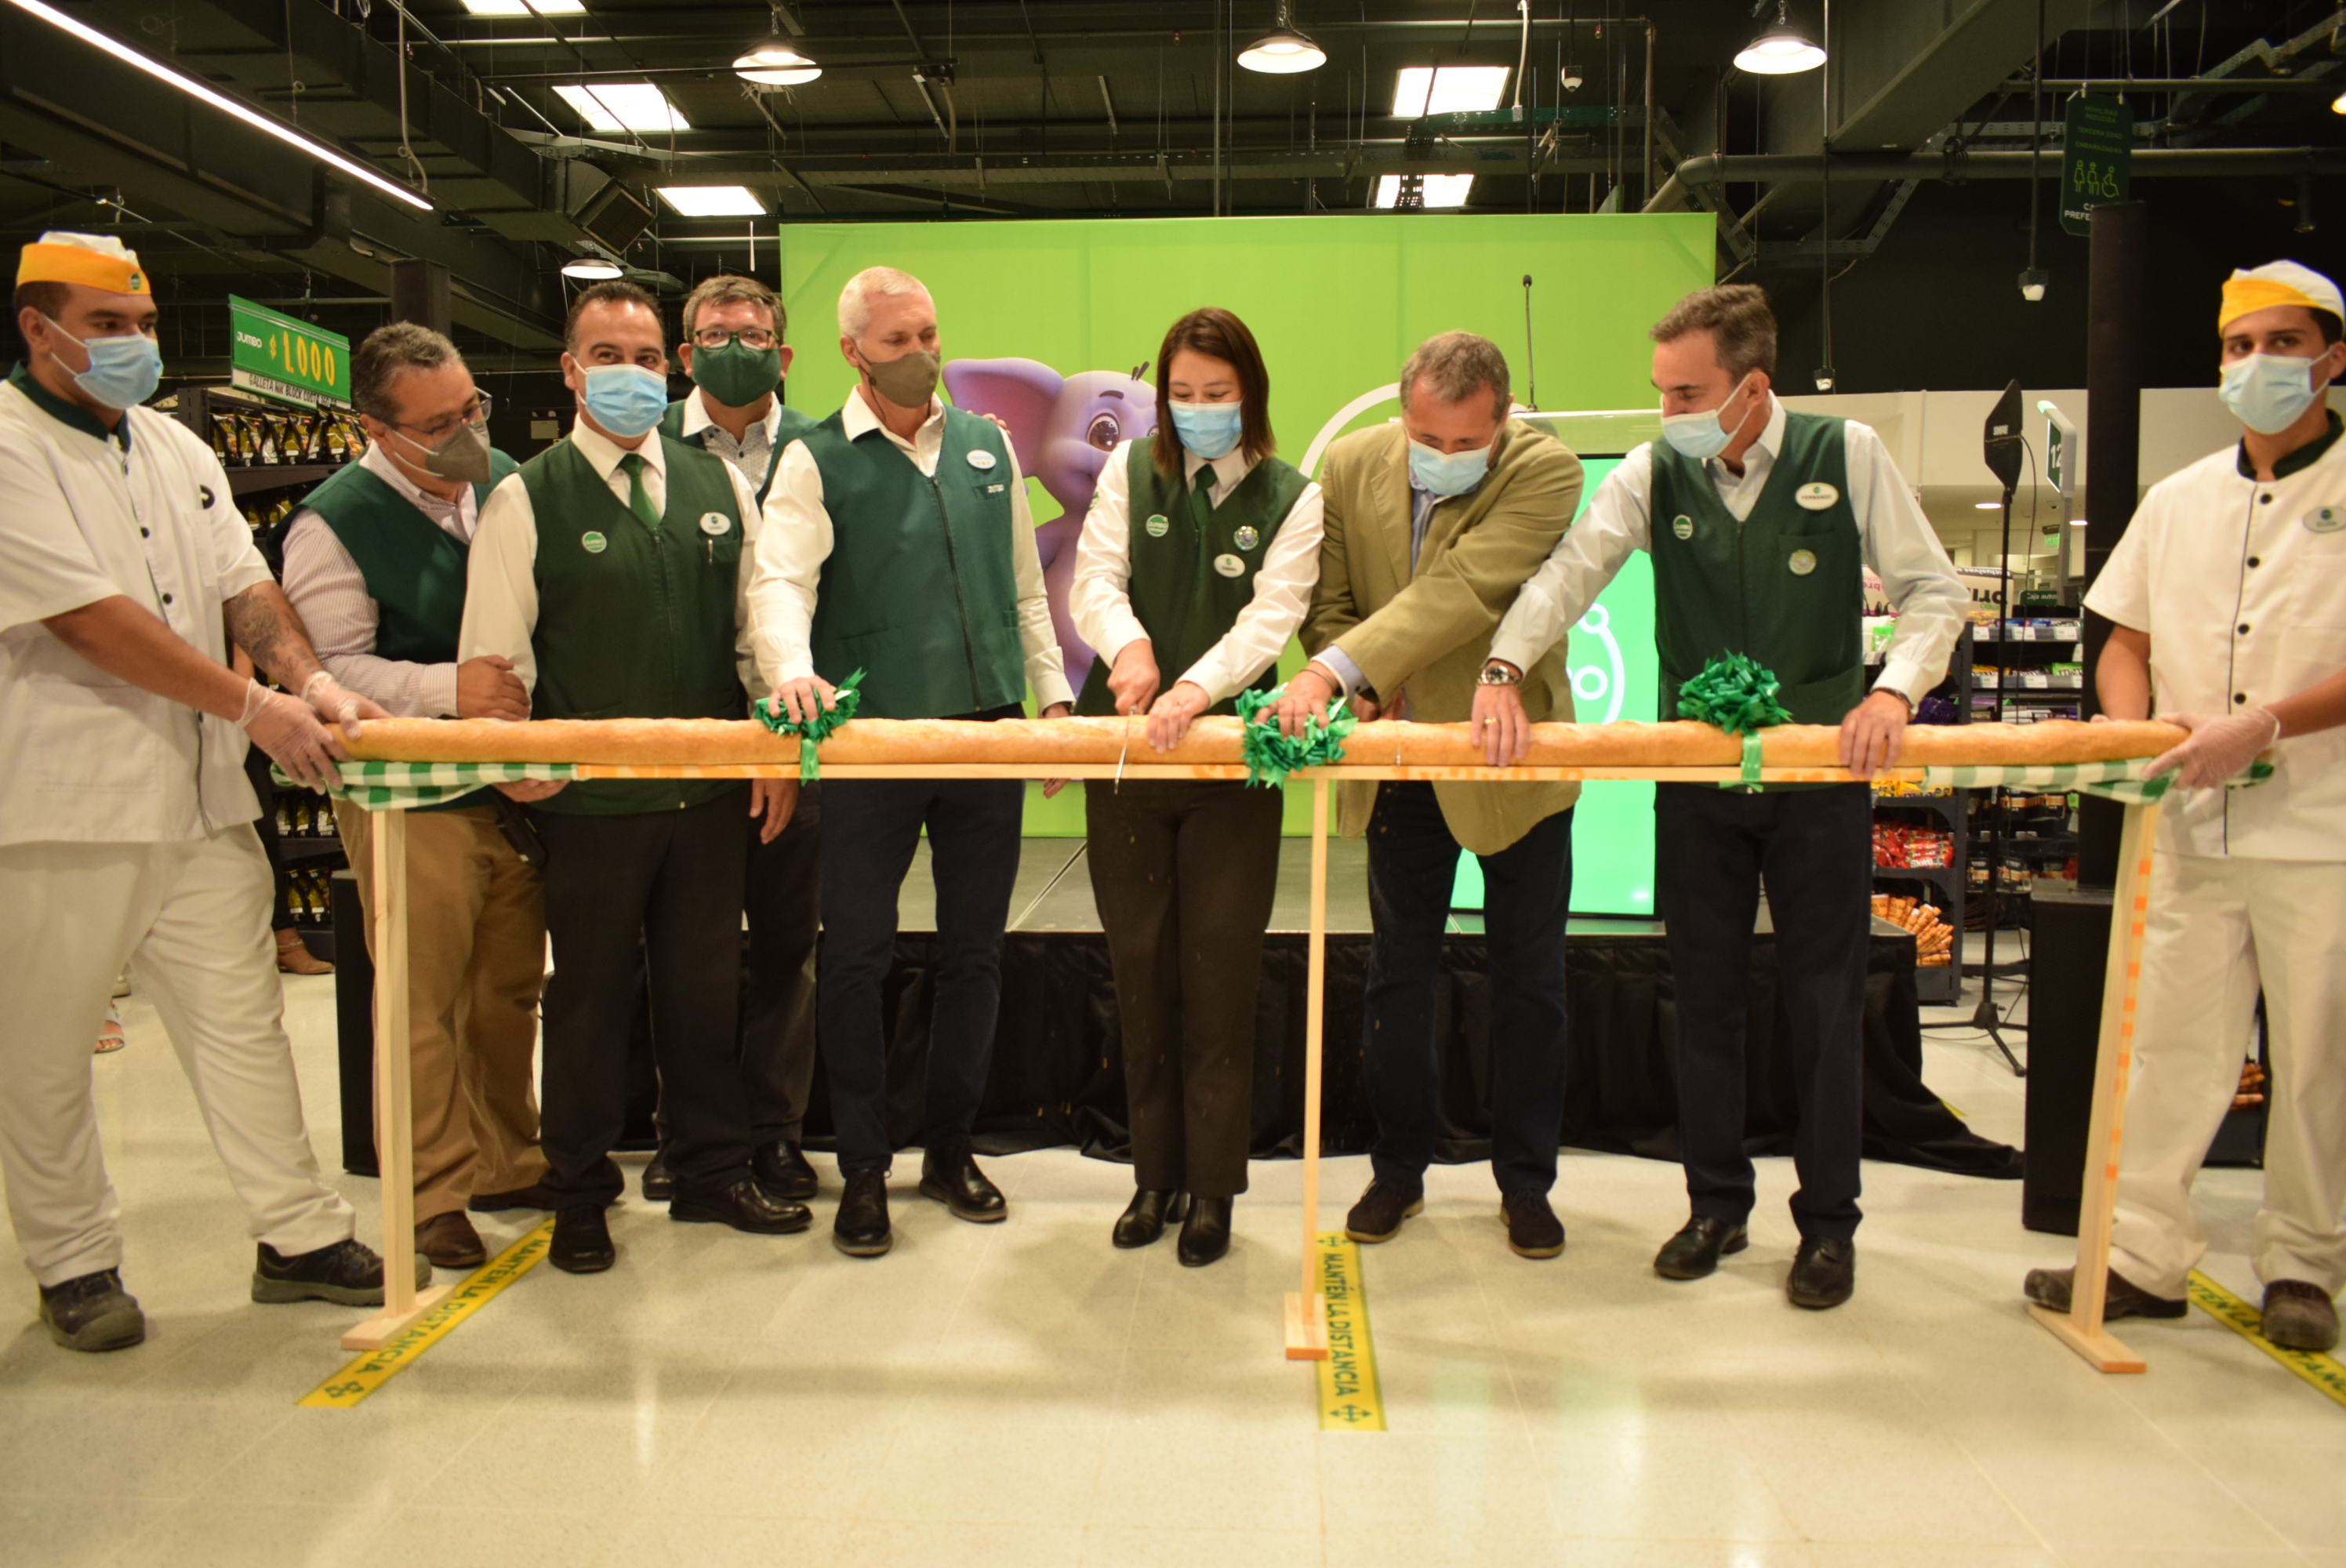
330,592
1102,607
501,589
798,536
1917,577
751,455
2241,587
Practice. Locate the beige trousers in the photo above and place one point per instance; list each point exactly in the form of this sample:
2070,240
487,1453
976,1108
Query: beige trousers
476,966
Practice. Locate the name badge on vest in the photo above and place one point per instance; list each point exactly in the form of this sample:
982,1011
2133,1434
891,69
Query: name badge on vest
1246,538
1815,496
715,523
1156,526
1229,565
1682,525
594,542
981,461
1802,563
2326,519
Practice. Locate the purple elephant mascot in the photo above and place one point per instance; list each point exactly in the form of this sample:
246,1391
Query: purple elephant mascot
1062,429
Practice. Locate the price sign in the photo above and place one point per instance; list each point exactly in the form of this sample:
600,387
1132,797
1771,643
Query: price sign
289,360
2096,158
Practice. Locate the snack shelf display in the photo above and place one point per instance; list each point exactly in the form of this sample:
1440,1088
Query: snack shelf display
1921,835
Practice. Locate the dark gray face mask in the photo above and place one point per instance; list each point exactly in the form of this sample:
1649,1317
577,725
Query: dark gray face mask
463,457
908,382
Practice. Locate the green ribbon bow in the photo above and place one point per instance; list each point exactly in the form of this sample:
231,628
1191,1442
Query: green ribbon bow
817,729
1270,756
1735,692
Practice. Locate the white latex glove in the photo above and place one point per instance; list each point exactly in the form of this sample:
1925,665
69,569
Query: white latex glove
2218,750
331,700
286,729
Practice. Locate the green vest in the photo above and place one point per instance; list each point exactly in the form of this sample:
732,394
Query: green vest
919,591
635,622
414,569
1180,591
793,425
1786,585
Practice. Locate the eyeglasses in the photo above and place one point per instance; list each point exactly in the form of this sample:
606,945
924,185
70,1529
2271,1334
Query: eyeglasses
758,337
433,434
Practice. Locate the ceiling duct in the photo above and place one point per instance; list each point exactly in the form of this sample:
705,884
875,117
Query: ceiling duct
615,215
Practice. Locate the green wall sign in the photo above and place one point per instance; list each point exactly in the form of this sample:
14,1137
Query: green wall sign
290,361
2096,158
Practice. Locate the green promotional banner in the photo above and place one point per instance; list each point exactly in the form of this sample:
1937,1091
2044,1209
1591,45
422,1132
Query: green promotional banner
2097,159
290,361
1054,327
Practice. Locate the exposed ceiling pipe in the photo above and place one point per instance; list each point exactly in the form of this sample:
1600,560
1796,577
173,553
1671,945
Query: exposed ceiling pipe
1710,169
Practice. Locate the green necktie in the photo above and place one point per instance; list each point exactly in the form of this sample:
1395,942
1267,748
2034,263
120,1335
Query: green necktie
1201,509
639,498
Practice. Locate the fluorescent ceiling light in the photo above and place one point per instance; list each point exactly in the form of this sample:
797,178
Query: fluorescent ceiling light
1450,90
534,7
1435,191
776,63
713,200
2338,105
1987,505
592,270
196,90
623,106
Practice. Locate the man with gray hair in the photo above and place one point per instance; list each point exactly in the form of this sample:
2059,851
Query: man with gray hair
375,564
1433,524
932,588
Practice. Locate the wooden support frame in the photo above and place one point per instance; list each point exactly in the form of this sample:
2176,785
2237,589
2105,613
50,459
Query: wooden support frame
1306,1309
2080,1327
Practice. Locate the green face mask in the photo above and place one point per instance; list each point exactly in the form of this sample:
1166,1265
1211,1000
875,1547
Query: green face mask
736,375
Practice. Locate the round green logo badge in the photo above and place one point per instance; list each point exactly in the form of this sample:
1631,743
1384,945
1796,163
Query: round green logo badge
595,543
1158,525
1682,525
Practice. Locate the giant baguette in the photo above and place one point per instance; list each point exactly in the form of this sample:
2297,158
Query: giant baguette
1044,744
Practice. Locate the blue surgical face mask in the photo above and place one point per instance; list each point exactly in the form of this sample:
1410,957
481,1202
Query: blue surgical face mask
1701,436
123,372
626,400
1447,474
1211,429
2268,393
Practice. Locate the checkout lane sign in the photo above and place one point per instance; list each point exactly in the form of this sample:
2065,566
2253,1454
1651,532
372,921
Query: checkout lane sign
290,361
2096,158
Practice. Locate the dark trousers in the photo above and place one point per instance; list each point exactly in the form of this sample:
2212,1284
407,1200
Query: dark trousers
1813,850
1528,890
656,893
1183,876
777,1026
872,826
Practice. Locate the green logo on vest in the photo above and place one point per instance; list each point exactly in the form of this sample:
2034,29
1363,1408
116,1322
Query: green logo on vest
595,543
1158,525
1229,565
1803,562
715,523
2326,519
1816,496
1682,525
1246,538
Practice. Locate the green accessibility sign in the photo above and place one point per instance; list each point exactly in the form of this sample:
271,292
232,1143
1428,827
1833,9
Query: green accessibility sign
290,361
2096,158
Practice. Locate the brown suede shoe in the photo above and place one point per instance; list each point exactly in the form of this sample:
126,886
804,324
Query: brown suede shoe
2299,1317
450,1241
293,958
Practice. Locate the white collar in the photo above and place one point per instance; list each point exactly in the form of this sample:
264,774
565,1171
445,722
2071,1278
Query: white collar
1229,468
695,415
378,461
603,455
856,419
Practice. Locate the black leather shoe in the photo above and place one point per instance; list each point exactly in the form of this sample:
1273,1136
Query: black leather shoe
1380,1212
1695,1251
348,1273
582,1240
951,1176
1206,1233
531,1197
2051,1287
743,1203
92,1312
1825,1274
1532,1228
1144,1219
860,1227
660,1182
783,1171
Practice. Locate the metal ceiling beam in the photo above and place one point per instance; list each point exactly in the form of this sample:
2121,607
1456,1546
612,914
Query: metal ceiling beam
2148,163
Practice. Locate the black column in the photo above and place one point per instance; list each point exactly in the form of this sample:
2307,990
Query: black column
2121,252
419,293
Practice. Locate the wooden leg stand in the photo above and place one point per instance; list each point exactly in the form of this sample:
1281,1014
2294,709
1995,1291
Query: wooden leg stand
394,1125
1307,1309
2080,1327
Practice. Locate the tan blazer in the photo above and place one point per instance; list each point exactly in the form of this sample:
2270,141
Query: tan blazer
1429,630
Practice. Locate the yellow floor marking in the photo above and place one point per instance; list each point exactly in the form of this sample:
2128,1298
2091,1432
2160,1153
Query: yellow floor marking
363,1377
2322,1371
1350,1400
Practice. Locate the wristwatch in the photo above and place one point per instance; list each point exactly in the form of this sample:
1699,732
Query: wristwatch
1497,673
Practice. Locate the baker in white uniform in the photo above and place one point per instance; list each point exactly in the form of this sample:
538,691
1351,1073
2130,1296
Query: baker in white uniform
2229,595
126,818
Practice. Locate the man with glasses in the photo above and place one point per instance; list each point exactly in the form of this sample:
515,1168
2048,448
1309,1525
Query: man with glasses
734,352
375,564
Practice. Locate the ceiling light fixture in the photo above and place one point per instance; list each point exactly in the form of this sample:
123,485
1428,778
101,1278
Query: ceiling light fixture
1433,189
196,90
2338,105
592,268
1282,51
526,7
1783,50
619,106
713,200
777,63
1453,89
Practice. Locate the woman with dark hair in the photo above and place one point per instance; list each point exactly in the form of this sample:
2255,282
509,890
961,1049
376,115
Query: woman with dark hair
1197,563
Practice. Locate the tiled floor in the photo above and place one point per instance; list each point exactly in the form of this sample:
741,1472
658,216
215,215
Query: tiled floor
1023,1394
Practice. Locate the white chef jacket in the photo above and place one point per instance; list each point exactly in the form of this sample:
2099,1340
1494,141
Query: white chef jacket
798,542
1899,542
1101,607
2241,587
330,592
501,575
145,512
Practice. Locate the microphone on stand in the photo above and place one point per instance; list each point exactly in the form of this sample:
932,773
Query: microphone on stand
1531,366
